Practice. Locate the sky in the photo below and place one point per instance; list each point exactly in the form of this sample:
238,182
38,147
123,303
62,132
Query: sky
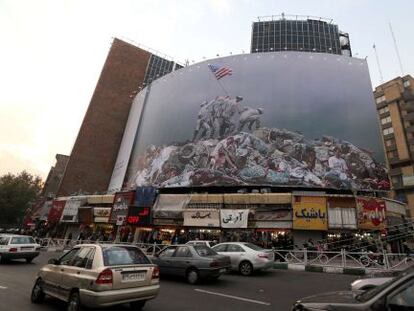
52,53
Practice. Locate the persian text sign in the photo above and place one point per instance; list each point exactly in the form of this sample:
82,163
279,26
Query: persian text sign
56,211
309,213
70,212
371,213
234,218
120,208
201,218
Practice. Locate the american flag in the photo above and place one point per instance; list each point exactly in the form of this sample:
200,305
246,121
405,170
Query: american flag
220,71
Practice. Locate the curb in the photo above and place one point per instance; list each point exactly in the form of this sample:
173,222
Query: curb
319,269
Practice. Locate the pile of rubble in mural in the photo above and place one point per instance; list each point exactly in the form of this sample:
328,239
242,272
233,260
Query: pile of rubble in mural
268,156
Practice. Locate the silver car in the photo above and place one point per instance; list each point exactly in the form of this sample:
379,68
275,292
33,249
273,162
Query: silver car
246,257
99,276
13,246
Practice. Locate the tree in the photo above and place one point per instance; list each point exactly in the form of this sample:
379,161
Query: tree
17,193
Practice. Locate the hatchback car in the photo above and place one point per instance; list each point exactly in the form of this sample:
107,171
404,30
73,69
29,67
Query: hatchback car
395,295
246,257
99,275
13,246
192,262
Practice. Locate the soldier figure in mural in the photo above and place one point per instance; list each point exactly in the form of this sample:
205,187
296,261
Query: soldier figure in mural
204,121
223,115
250,117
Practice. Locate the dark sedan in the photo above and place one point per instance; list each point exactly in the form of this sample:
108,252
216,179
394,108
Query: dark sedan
194,262
395,295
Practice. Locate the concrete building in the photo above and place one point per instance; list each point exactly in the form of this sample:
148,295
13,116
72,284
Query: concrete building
94,153
298,33
395,106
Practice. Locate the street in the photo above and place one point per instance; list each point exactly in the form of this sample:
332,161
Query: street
272,290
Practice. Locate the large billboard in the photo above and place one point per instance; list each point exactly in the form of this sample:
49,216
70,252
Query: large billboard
279,119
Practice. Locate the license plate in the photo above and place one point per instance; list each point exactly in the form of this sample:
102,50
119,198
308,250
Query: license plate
133,276
223,270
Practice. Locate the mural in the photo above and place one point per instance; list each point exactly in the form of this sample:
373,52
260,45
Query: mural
242,122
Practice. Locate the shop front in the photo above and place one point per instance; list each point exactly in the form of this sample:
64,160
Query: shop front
70,216
310,220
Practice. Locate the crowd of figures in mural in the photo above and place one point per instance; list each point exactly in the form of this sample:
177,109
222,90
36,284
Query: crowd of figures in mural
230,147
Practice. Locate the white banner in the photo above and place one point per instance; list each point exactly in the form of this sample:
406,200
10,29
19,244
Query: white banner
201,218
234,218
70,212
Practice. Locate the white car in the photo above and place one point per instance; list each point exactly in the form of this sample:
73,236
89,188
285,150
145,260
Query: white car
368,283
202,243
246,257
13,246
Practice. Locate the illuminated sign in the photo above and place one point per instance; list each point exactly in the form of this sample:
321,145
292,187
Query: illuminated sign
140,216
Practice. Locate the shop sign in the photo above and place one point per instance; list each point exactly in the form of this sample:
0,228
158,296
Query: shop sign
56,211
201,218
139,216
273,215
120,207
70,212
271,224
101,214
234,218
371,213
167,222
309,213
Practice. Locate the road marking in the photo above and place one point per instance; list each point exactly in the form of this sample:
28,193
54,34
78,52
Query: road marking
233,297
3,287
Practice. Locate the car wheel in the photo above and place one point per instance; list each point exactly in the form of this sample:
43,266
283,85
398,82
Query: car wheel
37,295
137,305
246,268
29,260
193,276
74,302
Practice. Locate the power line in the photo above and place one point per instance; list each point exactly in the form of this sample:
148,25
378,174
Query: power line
396,49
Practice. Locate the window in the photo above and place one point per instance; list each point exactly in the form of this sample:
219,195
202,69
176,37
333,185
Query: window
22,240
380,99
183,251
220,248
389,142
386,120
406,83
167,252
81,258
384,110
253,247
123,255
204,251
67,258
235,248
4,240
392,154
388,131
404,298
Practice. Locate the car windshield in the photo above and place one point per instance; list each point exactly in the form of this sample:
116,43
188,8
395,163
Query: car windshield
4,240
253,247
124,255
204,251
22,240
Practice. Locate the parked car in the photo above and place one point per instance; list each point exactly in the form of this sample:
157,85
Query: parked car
13,246
246,257
202,242
395,295
99,275
368,283
194,262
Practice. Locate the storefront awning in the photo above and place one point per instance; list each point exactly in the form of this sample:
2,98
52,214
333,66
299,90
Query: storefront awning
170,205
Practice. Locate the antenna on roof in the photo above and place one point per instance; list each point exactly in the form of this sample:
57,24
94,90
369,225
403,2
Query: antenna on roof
378,63
396,49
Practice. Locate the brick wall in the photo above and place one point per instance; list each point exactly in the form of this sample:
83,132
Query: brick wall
94,154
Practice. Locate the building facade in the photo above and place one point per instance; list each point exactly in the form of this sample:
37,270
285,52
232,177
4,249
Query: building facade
295,33
395,107
94,153
55,176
